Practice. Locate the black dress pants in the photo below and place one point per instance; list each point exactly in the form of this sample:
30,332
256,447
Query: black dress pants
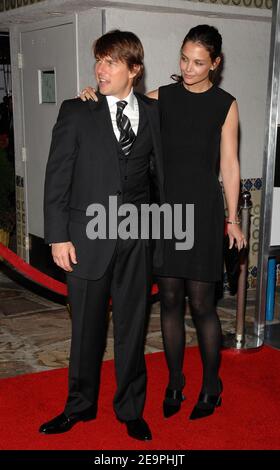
128,281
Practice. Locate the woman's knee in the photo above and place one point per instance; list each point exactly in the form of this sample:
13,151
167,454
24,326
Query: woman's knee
171,300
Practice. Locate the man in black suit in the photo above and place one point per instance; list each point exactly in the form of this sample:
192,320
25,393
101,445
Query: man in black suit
101,149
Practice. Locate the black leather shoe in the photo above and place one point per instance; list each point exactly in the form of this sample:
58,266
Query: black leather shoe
138,429
206,404
172,400
63,423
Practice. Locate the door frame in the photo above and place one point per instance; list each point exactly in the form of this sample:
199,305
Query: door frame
23,241
272,121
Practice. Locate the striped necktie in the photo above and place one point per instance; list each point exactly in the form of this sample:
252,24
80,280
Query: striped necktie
127,136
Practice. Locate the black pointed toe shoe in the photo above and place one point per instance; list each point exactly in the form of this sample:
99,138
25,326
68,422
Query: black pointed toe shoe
63,423
206,404
172,401
138,429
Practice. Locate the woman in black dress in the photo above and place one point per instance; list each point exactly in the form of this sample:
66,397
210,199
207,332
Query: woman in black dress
199,128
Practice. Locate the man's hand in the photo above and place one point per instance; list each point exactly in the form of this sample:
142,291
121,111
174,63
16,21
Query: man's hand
63,254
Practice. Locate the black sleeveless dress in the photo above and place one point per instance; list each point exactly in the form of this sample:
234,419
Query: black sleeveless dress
191,126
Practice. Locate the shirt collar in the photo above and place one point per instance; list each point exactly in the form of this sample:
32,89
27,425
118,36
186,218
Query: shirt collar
131,99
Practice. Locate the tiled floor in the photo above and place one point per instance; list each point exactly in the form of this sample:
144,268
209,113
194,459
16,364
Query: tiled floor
35,330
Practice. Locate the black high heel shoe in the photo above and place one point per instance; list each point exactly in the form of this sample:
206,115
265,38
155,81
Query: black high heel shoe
172,401
206,404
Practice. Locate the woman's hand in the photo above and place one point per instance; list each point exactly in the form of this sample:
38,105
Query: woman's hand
236,236
88,93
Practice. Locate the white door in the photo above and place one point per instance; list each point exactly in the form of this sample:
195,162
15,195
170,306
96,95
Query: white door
49,76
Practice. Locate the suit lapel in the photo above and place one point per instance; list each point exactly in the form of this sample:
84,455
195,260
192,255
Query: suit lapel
141,115
102,123
153,119
100,114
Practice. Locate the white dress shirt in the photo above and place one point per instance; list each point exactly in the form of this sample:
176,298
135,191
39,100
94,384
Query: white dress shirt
131,111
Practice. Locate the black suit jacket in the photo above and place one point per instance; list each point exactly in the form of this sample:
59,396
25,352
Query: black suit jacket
82,169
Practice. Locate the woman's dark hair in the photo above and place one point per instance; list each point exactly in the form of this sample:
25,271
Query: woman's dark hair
208,37
124,46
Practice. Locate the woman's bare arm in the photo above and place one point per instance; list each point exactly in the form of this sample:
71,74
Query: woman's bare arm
231,173
153,94
89,93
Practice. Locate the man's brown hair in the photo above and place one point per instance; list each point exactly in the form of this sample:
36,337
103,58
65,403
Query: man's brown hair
124,46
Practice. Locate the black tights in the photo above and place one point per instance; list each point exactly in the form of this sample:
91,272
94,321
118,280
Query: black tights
202,304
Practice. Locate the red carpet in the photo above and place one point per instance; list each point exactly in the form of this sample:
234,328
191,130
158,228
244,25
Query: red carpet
247,419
